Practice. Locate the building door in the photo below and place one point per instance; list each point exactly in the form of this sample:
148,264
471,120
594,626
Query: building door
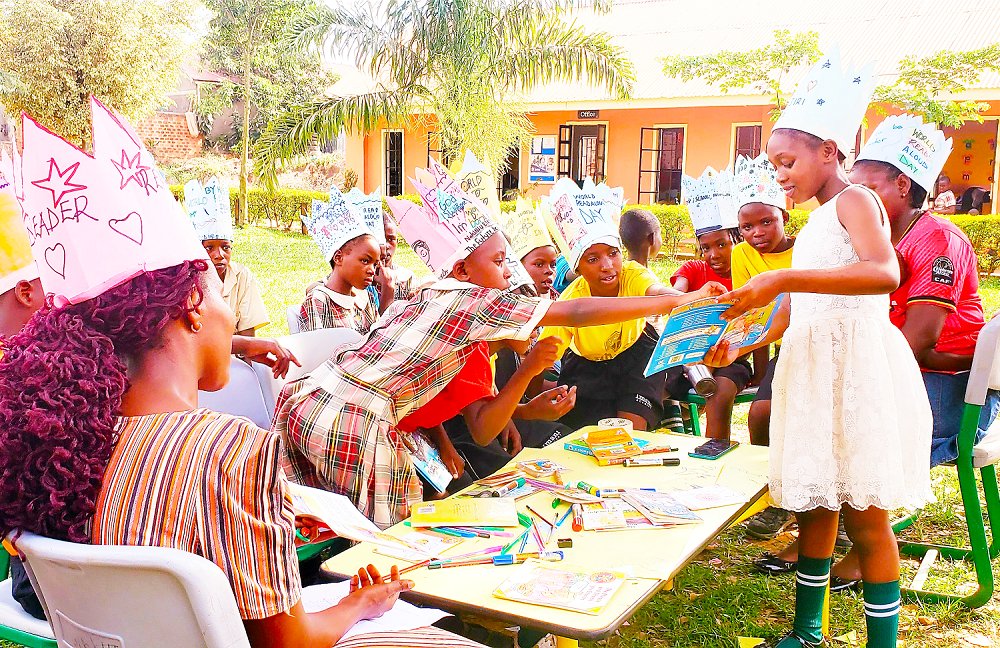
392,154
661,164
582,151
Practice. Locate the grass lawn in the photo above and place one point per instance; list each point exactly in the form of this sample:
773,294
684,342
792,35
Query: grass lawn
718,597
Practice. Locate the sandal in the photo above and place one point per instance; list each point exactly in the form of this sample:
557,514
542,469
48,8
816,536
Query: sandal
772,564
838,584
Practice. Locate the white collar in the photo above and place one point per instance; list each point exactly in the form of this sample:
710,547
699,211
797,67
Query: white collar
358,299
451,283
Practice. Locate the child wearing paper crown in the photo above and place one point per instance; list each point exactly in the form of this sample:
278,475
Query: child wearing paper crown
208,207
604,363
113,449
532,245
831,451
713,214
340,424
353,252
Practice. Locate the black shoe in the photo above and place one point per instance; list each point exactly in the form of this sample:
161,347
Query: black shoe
843,541
838,584
767,524
771,564
792,640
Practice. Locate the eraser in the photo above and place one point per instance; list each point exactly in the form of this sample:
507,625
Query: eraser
564,543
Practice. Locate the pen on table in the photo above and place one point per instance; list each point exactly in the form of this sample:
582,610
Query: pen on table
647,451
540,516
633,462
524,539
538,536
568,512
484,532
617,492
452,532
503,559
507,488
478,552
475,532
515,541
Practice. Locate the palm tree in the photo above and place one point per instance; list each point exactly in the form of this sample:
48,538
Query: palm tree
466,62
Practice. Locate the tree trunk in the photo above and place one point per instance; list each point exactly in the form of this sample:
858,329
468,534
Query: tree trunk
243,215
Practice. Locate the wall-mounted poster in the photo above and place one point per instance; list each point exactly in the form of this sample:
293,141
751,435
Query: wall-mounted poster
542,163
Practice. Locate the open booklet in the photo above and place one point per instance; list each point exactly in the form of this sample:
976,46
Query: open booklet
694,328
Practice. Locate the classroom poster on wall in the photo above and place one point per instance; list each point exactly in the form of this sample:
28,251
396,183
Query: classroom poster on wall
542,162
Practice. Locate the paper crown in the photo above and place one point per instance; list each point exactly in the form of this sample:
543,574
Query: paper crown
525,228
917,149
16,262
96,221
710,201
208,207
582,218
476,179
333,223
756,181
369,208
830,102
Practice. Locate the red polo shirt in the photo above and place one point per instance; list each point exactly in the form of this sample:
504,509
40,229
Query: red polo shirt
698,273
939,267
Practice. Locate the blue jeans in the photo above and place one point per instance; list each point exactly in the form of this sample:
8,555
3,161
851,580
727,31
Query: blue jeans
946,393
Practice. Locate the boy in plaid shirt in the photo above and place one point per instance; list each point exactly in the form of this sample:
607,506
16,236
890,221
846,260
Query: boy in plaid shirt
339,425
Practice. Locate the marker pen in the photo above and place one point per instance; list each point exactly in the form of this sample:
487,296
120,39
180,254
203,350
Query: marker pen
635,462
507,488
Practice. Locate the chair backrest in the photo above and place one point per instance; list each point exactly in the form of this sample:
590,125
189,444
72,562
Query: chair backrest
985,372
312,348
241,397
292,315
103,595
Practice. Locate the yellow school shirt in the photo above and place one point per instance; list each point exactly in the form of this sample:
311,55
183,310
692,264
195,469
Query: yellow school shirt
604,342
748,262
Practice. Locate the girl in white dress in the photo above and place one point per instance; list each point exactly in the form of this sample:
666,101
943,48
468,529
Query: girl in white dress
850,420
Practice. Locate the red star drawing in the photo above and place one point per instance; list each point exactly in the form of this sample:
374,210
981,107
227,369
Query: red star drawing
59,185
131,169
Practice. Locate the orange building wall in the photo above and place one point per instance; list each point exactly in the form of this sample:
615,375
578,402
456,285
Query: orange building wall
708,142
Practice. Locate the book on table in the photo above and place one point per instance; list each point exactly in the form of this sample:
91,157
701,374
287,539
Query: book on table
561,586
612,446
465,512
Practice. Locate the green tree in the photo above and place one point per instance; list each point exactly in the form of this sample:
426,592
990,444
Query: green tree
462,61
244,40
918,88
765,69
922,82
54,54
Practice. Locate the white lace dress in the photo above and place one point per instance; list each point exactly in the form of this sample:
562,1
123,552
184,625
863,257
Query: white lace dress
850,420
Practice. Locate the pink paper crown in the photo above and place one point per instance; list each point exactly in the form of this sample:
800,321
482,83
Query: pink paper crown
96,221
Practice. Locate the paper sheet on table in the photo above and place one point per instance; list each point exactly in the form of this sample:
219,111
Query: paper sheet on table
402,616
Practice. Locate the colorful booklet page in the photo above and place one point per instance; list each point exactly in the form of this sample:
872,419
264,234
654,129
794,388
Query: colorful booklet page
427,461
693,329
466,511
541,583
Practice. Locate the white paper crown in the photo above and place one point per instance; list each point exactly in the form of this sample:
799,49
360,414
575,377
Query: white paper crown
96,221
478,180
830,102
756,181
917,149
525,228
582,218
209,209
710,202
369,208
16,262
332,224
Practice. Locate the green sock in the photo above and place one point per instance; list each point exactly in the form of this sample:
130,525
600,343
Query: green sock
882,613
811,580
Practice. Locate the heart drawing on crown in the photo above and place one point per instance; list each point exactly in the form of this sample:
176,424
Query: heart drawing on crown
130,227
55,258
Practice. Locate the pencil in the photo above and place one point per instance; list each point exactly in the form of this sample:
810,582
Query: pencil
422,563
538,536
540,516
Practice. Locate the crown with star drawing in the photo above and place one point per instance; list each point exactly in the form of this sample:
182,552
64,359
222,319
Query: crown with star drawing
917,149
756,181
94,221
830,102
710,201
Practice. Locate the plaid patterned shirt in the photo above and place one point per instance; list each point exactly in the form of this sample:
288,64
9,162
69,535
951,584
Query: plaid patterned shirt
209,484
324,308
339,423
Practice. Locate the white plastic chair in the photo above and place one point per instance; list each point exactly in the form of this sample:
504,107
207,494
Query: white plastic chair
116,596
241,397
292,315
312,348
16,625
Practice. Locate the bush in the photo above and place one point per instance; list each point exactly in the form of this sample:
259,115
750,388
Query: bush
984,234
201,168
281,208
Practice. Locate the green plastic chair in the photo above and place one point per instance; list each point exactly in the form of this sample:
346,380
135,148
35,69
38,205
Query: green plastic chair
981,551
15,635
693,400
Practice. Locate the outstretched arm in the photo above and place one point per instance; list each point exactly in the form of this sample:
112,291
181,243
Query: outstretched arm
594,311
